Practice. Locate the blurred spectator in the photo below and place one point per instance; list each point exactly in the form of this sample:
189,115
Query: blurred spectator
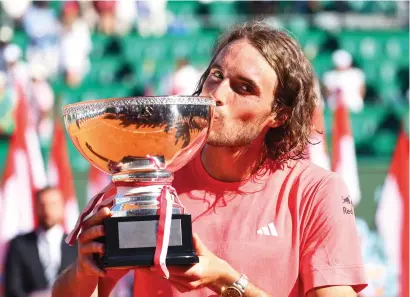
17,70
15,10
307,6
184,80
346,79
43,29
34,259
106,16
7,104
75,44
152,17
41,99
6,34
125,12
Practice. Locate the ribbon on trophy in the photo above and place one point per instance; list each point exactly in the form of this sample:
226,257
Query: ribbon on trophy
109,191
164,224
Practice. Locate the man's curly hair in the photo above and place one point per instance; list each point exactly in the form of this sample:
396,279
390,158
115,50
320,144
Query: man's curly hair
295,97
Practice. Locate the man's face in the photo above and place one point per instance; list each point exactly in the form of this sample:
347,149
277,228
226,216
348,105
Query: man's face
243,83
50,208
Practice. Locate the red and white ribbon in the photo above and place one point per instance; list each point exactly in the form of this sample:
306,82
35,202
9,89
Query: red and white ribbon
109,192
164,229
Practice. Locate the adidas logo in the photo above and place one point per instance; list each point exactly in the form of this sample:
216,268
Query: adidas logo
269,229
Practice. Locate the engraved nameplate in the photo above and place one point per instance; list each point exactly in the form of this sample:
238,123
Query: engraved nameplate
140,234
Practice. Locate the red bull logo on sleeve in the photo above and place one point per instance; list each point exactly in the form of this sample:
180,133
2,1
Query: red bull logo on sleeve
347,205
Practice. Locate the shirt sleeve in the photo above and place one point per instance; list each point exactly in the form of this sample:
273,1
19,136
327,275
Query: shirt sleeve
330,252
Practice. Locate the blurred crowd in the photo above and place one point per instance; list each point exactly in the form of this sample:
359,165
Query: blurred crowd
66,51
60,45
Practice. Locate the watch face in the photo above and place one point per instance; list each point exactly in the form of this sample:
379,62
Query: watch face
231,292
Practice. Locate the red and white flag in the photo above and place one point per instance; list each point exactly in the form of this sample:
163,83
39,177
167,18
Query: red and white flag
392,216
343,151
24,175
97,180
60,175
317,149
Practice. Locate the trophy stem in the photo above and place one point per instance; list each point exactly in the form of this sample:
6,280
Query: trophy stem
138,193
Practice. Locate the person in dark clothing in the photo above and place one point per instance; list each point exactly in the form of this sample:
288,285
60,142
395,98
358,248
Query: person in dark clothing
36,258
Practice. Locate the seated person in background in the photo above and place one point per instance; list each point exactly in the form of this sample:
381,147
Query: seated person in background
348,80
35,259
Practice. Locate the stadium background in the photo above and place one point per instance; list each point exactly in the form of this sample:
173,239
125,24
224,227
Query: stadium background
374,32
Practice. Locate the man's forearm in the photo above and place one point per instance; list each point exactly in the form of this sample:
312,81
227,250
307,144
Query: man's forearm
253,291
72,284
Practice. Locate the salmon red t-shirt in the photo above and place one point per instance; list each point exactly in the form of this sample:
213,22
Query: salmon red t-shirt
288,229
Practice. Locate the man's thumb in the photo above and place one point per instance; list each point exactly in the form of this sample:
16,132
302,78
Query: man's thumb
199,247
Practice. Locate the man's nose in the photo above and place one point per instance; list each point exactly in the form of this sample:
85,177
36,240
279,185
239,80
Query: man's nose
220,93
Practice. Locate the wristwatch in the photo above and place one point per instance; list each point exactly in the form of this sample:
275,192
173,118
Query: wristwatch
237,289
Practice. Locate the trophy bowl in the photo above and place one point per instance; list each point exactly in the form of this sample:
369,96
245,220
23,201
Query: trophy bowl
141,142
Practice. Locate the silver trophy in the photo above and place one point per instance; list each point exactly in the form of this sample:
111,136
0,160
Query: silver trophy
140,142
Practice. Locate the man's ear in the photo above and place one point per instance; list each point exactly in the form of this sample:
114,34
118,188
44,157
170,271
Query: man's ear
277,119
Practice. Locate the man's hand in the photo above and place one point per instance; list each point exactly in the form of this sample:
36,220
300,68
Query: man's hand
211,271
87,246
92,230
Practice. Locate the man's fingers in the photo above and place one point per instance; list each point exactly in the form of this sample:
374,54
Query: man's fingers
91,248
97,218
91,234
91,268
182,281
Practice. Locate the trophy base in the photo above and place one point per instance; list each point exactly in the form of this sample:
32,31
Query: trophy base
130,241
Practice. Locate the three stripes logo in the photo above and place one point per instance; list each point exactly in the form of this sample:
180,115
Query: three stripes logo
269,230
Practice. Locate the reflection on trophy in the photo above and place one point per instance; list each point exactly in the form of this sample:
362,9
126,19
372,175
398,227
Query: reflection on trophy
141,141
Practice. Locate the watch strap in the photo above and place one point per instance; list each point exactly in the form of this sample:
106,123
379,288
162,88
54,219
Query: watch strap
241,283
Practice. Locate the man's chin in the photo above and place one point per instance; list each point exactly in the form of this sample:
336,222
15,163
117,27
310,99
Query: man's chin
225,143
47,225
215,143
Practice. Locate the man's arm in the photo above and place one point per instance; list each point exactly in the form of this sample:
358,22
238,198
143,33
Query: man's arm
13,283
230,276
217,274
334,291
254,291
72,283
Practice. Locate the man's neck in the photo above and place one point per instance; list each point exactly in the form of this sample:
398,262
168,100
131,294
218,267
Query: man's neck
232,164
56,227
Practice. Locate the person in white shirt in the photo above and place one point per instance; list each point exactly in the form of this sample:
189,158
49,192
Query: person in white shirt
35,259
184,79
345,82
41,98
17,69
75,44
